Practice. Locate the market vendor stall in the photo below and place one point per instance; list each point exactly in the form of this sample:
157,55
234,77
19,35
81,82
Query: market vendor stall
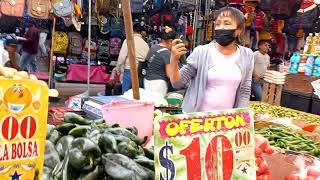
98,74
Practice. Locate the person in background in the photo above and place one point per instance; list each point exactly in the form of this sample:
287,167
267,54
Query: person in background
261,65
114,86
14,57
30,48
42,47
158,68
123,64
217,75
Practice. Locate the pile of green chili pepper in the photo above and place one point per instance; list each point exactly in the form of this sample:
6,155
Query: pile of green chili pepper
282,112
82,149
287,139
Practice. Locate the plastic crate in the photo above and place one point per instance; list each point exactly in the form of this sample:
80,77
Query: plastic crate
296,100
315,108
299,82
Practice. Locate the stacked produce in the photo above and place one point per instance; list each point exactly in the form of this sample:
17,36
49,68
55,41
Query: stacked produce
92,150
262,149
285,138
281,112
10,73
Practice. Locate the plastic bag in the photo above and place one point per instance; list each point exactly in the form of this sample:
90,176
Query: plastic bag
305,172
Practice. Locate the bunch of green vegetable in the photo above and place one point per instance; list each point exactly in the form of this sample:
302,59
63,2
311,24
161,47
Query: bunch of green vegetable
82,149
281,112
287,139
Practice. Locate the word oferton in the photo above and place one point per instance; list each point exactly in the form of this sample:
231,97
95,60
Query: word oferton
203,125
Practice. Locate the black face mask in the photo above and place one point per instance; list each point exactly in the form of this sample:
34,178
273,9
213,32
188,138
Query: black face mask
224,37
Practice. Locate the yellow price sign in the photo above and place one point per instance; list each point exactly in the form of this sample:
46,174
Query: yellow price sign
23,122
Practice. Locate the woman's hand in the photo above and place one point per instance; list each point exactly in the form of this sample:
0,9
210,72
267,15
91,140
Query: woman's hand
178,49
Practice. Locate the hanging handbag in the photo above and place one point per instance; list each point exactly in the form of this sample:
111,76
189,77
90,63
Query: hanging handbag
61,42
75,43
39,9
13,7
102,6
63,8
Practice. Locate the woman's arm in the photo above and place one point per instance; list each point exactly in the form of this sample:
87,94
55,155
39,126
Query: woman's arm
181,78
245,89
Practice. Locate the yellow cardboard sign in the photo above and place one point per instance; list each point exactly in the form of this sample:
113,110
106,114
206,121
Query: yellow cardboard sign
23,120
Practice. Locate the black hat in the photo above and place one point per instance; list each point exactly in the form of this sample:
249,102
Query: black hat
12,42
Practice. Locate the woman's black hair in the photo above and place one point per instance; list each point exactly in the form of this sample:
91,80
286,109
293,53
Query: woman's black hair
137,27
262,42
236,15
168,35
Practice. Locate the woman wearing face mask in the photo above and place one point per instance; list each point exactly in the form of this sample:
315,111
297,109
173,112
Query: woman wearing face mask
218,75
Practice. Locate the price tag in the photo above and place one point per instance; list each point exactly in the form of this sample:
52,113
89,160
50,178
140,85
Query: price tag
210,146
23,122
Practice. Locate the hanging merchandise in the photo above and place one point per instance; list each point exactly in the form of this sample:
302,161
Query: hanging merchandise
93,49
61,42
260,20
13,7
277,26
300,33
209,34
181,25
267,22
167,19
283,9
117,25
39,9
94,26
219,4
77,10
102,6
167,5
8,24
156,22
67,21
189,30
75,43
316,24
249,13
305,17
63,8
76,23
104,24
136,6
264,35
103,50
114,7
115,46
235,1
265,5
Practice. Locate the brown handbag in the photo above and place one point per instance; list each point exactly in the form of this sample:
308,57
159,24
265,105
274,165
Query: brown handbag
102,6
13,7
39,9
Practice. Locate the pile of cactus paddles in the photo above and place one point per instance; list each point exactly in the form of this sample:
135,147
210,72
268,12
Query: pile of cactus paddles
93,150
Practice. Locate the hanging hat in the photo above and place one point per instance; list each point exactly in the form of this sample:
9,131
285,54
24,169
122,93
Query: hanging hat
265,35
76,23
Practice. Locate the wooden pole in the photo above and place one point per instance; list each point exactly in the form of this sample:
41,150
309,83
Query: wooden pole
89,52
126,9
51,54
